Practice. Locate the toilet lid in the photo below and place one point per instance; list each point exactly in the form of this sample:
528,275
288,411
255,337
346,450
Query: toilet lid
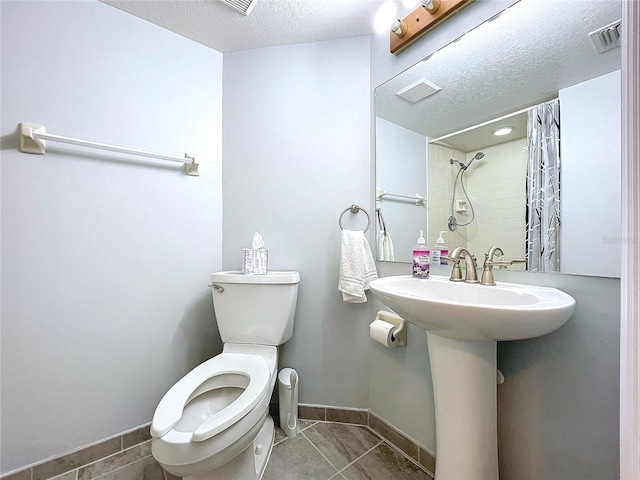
253,367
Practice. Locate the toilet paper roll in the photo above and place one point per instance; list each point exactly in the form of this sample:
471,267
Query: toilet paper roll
382,332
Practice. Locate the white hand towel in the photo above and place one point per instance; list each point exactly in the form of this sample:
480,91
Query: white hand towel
357,266
385,247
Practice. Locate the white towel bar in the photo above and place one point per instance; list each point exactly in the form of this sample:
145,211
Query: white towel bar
32,138
419,199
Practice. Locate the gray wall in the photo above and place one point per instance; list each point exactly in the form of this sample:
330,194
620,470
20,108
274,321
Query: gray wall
105,259
296,154
402,168
590,115
558,410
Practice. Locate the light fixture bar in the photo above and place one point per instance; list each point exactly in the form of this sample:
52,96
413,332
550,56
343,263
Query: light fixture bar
423,19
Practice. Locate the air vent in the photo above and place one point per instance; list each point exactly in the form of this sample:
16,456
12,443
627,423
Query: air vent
418,90
242,6
607,37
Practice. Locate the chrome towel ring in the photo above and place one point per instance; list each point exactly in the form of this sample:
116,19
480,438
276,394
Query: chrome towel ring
354,209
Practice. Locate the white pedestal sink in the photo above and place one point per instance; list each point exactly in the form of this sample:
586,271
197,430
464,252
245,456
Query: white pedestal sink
463,323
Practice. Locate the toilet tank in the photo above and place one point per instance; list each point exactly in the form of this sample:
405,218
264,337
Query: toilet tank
255,309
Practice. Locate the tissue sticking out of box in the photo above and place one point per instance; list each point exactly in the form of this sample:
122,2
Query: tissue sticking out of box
257,241
255,259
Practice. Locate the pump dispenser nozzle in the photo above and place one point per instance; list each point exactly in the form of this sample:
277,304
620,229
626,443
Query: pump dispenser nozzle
439,252
421,258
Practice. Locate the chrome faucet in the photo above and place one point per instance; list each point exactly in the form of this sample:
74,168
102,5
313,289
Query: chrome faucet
470,262
489,263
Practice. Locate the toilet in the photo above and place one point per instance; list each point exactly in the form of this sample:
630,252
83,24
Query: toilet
214,422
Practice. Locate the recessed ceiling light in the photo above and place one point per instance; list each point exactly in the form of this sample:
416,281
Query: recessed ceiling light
503,131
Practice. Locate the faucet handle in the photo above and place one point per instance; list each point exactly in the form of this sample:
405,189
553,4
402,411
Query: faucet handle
507,263
456,272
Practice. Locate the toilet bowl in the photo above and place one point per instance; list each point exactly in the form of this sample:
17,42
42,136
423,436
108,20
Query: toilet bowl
212,413
214,423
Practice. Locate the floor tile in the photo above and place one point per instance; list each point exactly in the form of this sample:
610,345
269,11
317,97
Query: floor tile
279,436
296,459
302,425
384,463
341,443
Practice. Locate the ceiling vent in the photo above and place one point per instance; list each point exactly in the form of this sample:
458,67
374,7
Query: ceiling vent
607,37
242,6
418,90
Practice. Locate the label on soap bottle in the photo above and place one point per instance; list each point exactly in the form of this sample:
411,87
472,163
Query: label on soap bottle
444,253
421,261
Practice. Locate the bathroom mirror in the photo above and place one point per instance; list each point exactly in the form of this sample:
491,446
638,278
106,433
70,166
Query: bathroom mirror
435,125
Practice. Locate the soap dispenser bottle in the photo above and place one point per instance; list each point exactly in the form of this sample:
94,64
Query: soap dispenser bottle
421,258
439,252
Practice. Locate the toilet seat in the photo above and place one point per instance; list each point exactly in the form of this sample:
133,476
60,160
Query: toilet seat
250,372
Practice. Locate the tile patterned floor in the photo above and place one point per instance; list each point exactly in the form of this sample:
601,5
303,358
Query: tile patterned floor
337,451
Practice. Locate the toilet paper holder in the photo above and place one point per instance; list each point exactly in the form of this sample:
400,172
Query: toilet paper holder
400,333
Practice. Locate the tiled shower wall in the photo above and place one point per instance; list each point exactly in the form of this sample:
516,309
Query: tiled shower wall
440,177
497,187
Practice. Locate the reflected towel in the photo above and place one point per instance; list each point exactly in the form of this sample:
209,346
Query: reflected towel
385,247
357,266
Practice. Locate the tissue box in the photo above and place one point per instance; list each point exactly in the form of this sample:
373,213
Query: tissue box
254,261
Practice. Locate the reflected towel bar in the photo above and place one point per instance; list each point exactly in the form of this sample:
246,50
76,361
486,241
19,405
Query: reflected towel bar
419,199
32,138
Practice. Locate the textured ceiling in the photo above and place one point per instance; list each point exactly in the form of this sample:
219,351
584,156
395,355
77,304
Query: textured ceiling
522,57
271,22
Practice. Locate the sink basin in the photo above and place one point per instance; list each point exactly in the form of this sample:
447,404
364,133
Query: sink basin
468,311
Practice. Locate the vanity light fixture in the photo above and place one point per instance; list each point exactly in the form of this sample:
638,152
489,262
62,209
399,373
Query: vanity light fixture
503,131
426,16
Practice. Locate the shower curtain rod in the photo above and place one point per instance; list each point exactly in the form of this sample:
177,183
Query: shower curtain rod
32,136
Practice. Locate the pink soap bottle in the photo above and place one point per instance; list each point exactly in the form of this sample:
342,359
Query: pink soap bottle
421,258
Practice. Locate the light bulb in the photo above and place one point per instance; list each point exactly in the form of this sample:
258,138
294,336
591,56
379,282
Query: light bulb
410,3
385,17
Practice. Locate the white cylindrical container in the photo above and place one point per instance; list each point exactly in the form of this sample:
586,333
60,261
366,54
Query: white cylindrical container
288,392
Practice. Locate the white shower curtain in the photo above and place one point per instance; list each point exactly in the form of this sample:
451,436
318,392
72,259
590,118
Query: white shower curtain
543,188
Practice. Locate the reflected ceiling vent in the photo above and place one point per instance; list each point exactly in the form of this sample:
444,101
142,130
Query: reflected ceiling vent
418,90
607,37
242,6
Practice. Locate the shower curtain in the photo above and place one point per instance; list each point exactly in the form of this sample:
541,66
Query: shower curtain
543,188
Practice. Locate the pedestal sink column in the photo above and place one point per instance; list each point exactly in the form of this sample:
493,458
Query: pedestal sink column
464,387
